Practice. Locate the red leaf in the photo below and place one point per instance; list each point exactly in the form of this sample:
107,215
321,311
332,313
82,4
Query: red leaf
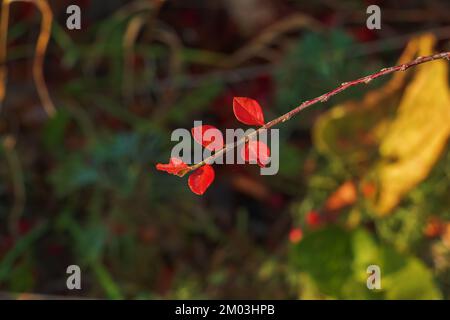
256,151
313,218
295,235
201,179
344,196
175,166
208,140
248,111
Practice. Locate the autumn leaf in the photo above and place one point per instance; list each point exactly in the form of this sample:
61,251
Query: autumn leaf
175,166
350,132
434,227
313,219
295,235
392,137
256,151
418,134
248,111
344,196
206,135
200,180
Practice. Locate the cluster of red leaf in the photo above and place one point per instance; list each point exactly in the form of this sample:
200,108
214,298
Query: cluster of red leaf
247,111
344,196
313,220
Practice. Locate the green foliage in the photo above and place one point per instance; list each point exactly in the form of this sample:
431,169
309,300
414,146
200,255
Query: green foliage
337,259
327,256
316,63
89,176
195,102
21,247
113,162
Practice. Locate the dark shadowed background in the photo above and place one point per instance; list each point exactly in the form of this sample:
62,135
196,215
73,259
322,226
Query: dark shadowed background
364,178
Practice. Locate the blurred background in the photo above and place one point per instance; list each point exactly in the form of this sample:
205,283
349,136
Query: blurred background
364,177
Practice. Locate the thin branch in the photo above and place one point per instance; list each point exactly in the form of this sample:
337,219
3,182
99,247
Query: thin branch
134,27
40,51
13,161
41,48
241,74
268,37
323,98
129,40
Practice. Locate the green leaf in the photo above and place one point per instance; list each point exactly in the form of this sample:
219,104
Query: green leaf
21,247
327,256
337,261
413,281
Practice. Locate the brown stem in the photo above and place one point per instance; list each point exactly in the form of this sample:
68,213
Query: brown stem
12,159
322,98
40,51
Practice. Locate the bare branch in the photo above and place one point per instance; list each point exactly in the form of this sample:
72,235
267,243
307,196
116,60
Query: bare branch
323,98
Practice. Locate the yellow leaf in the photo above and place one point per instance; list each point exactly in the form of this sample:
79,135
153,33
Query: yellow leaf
418,134
350,131
392,137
